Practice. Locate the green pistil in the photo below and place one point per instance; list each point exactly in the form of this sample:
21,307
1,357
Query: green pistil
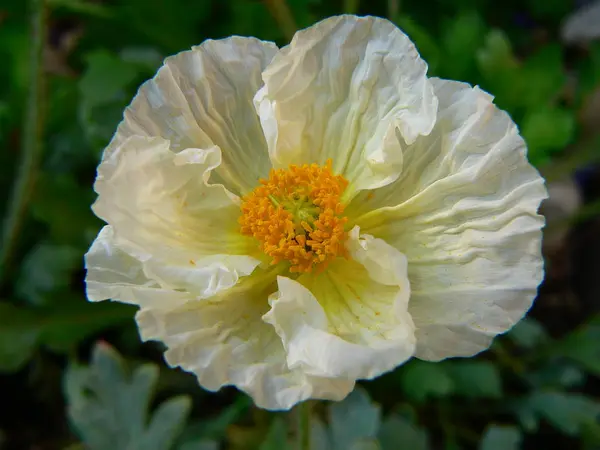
273,200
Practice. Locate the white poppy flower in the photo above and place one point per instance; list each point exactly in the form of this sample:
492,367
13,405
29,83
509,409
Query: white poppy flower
290,221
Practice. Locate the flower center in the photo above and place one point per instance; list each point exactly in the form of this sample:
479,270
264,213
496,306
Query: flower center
296,215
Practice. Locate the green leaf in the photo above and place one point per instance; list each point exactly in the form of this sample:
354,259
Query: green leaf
567,412
200,445
556,9
501,438
60,197
591,435
583,347
83,7
68,153
528,333
147,59
475,379
166,423
276,438
527,416
100,123
398,433
547,129
103,88
460,41
556,373
47,268
496,55
353,420
500,70
109,408
543,75
59,328
421,380
18,337
105,78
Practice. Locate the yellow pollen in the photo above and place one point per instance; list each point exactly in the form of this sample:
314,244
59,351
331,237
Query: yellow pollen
296,215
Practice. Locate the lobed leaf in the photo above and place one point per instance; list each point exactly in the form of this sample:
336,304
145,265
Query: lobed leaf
109,408
354,419
501,438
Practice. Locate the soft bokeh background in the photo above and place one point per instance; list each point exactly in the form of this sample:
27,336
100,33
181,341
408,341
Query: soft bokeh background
62,383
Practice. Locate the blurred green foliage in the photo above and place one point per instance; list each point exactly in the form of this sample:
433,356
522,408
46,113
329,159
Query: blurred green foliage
535,388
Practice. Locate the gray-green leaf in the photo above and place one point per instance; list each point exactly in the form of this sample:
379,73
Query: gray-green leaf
567,412
109,408
200,445
354,419
398,433
528,333
501,438
319,436
421,380
476,379
583,347
106,76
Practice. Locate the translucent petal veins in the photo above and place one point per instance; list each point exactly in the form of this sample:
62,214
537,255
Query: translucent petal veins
296,215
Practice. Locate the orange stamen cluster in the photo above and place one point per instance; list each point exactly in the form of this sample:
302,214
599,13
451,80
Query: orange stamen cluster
296,215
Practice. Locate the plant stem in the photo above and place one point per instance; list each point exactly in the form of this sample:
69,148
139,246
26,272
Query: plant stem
282,14
304,425
33,129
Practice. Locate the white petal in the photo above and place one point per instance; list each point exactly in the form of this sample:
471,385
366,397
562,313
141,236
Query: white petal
352,89
202,98
162,202
204,277
384,264
117,271
223,341
180,230
343,323
112,273
464,212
